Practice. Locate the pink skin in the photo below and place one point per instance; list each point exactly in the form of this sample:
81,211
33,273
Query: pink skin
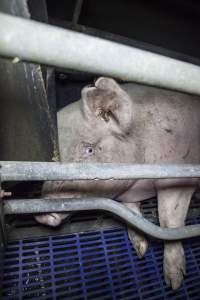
132,124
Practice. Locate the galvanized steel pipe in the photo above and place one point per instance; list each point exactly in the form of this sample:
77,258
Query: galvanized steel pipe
36,206
25,171
41,43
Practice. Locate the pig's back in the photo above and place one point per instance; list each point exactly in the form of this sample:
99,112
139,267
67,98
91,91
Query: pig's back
167,124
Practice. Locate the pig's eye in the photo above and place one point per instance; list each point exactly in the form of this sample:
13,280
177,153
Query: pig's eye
89,150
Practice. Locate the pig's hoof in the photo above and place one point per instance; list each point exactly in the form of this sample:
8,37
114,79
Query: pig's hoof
52,219
139,242
174,264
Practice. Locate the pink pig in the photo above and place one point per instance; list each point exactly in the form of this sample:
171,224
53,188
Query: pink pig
132,123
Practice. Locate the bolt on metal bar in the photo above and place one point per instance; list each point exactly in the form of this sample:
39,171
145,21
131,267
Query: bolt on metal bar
25,206
26,171
32,41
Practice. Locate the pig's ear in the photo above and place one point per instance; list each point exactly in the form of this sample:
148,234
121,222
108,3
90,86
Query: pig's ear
108,102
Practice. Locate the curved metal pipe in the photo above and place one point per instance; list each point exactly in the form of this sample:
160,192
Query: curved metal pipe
73,204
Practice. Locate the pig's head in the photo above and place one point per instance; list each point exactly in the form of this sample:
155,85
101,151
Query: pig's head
98,128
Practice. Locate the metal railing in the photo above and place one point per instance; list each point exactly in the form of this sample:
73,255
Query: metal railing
35,206
41,43
26,171
12,171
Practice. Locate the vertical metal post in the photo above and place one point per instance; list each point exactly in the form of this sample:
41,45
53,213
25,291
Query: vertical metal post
24,97
77,12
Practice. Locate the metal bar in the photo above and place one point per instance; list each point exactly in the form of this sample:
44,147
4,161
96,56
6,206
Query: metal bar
77,12
37,42
25,171
36,206
125,40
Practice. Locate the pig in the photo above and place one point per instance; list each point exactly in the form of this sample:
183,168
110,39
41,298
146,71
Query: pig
132,123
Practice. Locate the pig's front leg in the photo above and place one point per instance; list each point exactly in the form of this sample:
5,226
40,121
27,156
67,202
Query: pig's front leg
173,205
140,190
138,240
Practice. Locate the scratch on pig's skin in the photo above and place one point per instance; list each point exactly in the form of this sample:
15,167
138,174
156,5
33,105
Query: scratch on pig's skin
176,206
168,130
187,153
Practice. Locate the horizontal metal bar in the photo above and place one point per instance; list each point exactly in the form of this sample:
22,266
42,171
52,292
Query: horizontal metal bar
36,206
125,40
26,171
38,42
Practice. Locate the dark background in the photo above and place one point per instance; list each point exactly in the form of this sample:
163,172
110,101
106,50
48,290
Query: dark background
169,27
171,24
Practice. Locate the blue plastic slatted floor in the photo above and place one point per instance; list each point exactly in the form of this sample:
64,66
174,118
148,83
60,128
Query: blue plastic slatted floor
95,265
